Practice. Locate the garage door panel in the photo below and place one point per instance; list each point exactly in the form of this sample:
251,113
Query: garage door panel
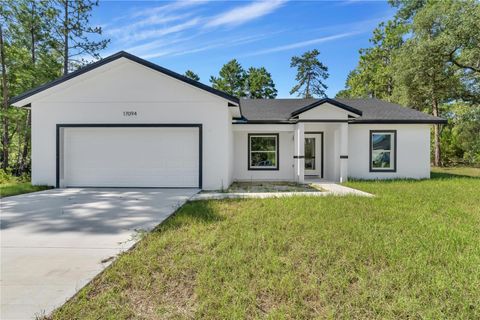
131,157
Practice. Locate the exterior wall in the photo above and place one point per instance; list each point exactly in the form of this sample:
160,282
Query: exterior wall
325,112
102,95
413,151
231,149
331,152
286,148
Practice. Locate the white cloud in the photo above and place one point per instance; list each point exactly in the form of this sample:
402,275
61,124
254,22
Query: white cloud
246,13
177,17
223,43
198,47
174,6
149,46
144,34
303,43
125,32
153,22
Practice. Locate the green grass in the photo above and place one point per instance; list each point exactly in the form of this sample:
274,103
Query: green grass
15,188
410,252
456,171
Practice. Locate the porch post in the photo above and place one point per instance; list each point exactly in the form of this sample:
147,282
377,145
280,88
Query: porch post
343,152
299,152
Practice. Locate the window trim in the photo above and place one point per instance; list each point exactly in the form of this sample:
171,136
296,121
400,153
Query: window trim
394,149
277,150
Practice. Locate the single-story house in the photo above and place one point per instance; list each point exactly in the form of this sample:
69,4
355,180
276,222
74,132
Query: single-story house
126,122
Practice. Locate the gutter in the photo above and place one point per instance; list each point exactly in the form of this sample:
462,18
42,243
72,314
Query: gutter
380,121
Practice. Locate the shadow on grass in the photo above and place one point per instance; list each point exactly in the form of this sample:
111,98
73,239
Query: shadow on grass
433,176
196,212
445,175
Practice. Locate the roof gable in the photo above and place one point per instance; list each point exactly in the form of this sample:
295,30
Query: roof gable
329,101
123,54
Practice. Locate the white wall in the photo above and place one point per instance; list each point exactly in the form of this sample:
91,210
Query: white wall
286,170
324,111
102,95
413,151
331,151
231,149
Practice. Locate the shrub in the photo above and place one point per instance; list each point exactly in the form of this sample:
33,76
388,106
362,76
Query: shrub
5,177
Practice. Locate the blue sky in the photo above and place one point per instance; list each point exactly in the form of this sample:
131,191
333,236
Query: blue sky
203,35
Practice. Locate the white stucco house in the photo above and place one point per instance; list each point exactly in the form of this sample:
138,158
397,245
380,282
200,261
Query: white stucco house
126,122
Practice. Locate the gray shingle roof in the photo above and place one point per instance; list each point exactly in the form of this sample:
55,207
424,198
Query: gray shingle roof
379,110
271,109
373,110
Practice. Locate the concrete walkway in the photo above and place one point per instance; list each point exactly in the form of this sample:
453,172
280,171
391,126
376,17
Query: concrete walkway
339,190
54,242
331,189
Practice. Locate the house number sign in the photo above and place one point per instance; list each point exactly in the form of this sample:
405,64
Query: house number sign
129,113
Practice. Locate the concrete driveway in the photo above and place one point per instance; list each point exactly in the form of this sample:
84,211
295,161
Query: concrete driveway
53,242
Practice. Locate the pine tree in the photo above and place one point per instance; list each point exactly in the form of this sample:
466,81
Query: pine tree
192,75
311,74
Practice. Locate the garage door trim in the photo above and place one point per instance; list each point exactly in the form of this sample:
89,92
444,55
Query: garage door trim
131,125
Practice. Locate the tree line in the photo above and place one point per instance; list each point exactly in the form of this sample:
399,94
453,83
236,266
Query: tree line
41,40
257,83
428,57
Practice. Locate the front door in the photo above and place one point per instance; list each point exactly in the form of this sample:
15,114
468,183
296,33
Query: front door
313,154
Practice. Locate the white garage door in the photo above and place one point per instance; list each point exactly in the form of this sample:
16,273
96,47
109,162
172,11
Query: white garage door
130,157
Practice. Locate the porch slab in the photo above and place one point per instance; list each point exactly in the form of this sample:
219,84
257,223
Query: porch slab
253,195
331,189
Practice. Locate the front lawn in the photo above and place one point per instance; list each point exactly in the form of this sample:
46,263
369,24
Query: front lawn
457,171
410,252
15,188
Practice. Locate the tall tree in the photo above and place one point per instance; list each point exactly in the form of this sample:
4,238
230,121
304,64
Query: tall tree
424,75
30,23
231,79
407,9
439,61
457,24
192,75
461,137
5,97
260,84
74,33
373,76
255,83
311,74
430,54
30,34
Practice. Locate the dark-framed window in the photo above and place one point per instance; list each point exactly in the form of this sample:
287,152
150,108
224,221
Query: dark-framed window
263,151
383,150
